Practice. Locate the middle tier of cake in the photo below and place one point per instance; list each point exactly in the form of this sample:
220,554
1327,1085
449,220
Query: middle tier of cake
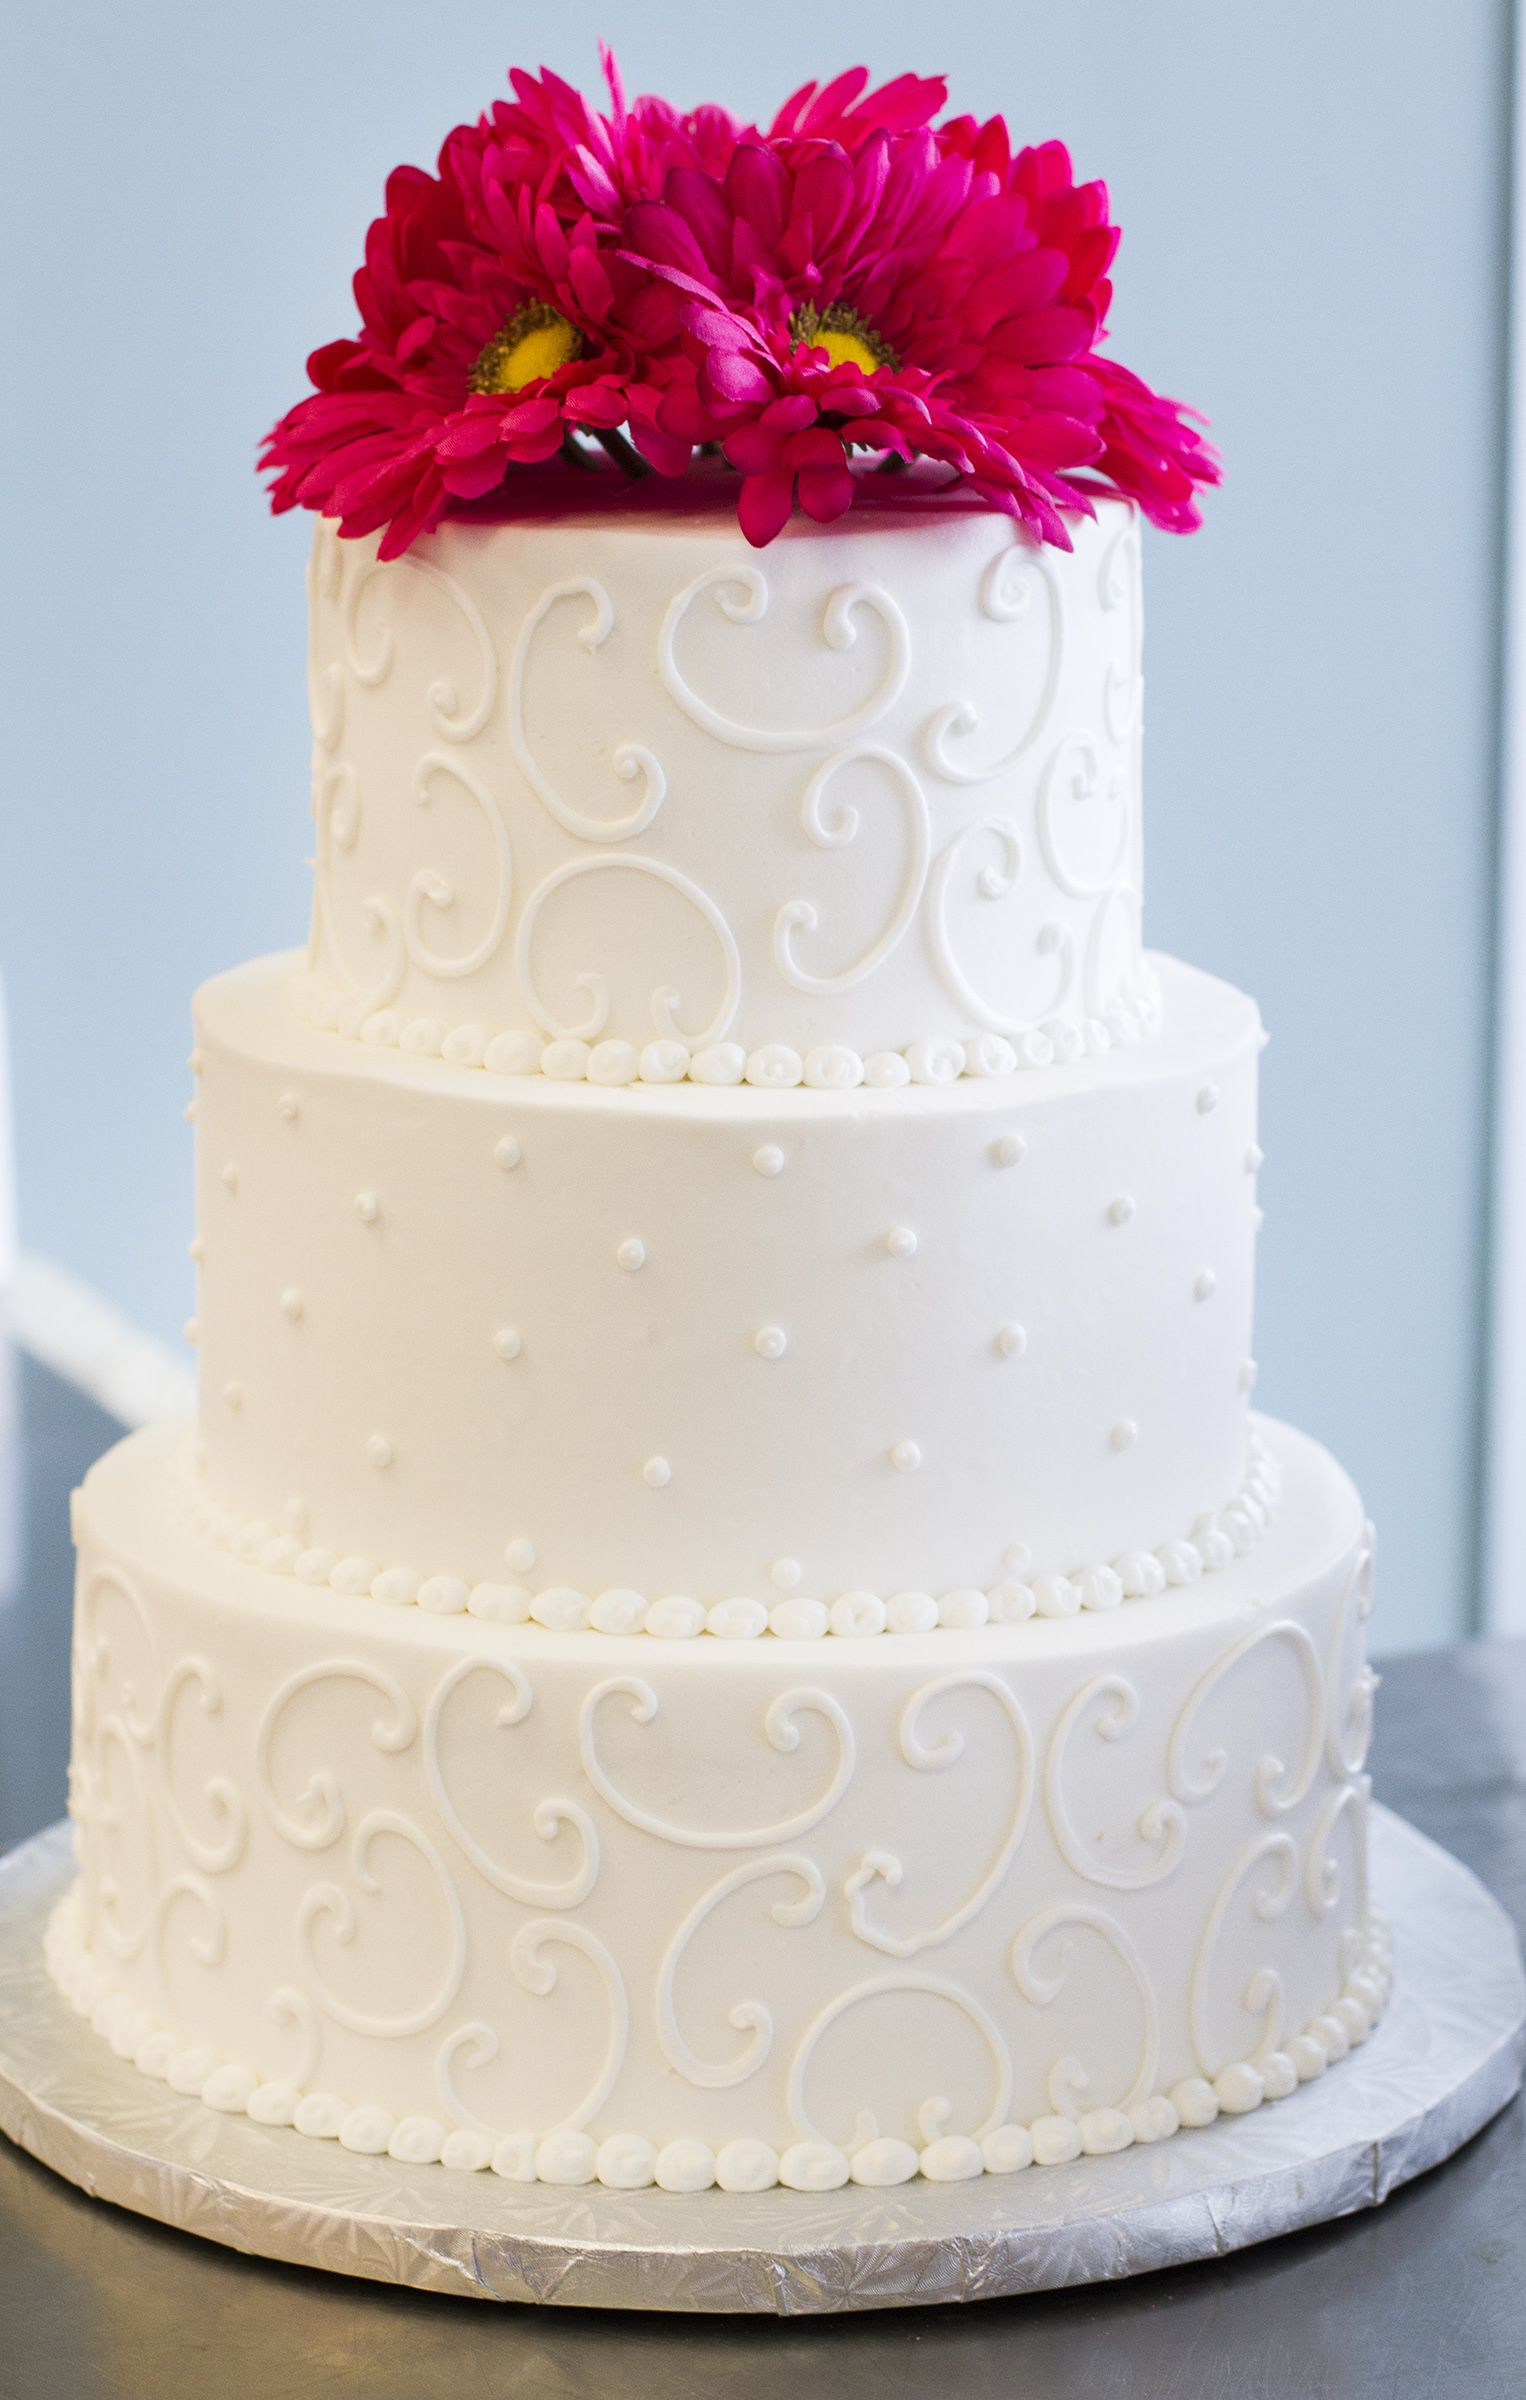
793,1349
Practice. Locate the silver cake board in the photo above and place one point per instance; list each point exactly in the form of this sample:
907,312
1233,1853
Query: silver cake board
1446,2058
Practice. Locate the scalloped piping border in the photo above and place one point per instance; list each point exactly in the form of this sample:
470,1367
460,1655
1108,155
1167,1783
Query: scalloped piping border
776,1067
1219,1537
631,2162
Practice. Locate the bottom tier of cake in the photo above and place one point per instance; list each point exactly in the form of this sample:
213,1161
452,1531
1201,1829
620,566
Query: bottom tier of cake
578,1906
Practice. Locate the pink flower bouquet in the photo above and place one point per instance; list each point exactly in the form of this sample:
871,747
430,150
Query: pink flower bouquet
857,286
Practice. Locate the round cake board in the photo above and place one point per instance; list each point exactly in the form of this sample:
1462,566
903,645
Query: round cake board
1446,2058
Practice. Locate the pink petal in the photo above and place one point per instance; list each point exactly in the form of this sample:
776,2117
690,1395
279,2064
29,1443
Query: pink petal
763,507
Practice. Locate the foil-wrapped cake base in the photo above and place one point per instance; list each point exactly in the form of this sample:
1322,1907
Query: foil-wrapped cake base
1445,2059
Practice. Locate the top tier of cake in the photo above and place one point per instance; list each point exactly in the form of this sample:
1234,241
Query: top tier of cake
866,804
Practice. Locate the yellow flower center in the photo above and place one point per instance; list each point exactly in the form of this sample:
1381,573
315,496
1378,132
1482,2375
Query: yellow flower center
535,342
848,339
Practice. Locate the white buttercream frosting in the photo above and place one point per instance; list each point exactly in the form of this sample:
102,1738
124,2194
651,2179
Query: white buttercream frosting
681,810
671,1333
950,1904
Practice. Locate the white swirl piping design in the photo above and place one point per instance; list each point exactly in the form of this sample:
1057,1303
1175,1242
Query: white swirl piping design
1112,1704
1074,776
331,1902
996,882
630,759
832,833
459,724
1263,1994
160,2052
881,1866
432,889
932,1987
781,1730
1276,1792
1005,596
318,1819
221,1794
550,1817
1069,2084
741,595
751,2017
527,1957
664,999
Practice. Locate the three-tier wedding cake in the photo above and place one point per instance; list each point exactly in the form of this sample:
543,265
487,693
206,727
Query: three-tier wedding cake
726,1618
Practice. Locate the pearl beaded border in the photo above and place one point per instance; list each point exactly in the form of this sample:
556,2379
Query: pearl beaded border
1219,1536
775,1067
632,2162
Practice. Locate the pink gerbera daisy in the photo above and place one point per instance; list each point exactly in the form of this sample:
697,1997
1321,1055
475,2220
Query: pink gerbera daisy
489,329
854,281
890,296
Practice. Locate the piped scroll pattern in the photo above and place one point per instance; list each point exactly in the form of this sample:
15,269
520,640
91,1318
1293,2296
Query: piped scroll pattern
937,1757
365,657
403,1790
750,2017
781,1730
125,1706
551,1815
1069,2082
1055,986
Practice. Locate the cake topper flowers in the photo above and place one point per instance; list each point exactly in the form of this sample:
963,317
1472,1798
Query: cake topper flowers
855,287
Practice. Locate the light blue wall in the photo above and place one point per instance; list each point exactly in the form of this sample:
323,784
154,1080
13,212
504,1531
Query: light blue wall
1313,205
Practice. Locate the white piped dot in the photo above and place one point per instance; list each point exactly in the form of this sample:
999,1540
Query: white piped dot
613,1063
1248,1374
664,1062
1206,1285
233,1396
906,1457
291,1304
631,1255
379,1450
287,1109
1208,1099
513,1054
1123,1435
1253,1158
769,1159
900,1241
507,1342
657,1472
1258,1218
565,1061
230,1177
770,1341
188,1113
1007,1151
1017,1558
784,1574
465,1045
1121,1210
190,1331
196,1250
196,1061
520,1555
507,1153
367,1207
798,1619
1012,1341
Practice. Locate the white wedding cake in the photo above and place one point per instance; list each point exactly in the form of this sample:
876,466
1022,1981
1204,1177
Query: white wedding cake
726,1618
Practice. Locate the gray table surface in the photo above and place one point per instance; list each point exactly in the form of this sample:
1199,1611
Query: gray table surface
1426,2296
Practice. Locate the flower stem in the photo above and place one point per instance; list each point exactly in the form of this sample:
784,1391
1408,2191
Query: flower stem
624,453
